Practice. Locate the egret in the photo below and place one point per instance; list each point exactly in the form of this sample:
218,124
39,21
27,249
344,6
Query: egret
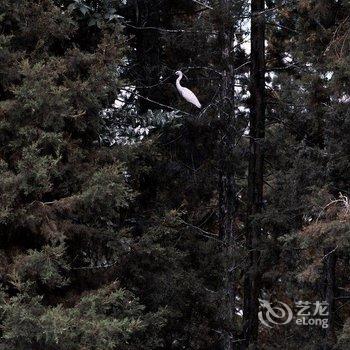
187,94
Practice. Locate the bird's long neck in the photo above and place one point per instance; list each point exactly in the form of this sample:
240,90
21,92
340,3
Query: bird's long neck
178,85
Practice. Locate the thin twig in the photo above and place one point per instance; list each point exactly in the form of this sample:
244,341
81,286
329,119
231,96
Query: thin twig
202,4
203,232
162,29
95,267
242,65
158,103
204,68
332,251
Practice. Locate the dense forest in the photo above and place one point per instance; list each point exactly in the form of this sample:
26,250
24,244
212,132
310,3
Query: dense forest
130,219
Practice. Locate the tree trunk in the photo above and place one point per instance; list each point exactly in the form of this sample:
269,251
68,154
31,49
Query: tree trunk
330,286
148,51
227,186
255,173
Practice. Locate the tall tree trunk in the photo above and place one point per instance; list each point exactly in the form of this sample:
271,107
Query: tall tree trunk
330,286
148,51
227,186
255,173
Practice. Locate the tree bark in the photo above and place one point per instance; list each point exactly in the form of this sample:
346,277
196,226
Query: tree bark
148,51
330,287
227,186
255,173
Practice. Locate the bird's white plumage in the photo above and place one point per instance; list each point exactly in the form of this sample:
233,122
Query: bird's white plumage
187,94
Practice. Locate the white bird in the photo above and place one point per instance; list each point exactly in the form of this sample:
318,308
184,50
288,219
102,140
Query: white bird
187,94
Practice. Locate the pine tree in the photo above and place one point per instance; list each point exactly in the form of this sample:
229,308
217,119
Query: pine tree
254,229
64,195
304,105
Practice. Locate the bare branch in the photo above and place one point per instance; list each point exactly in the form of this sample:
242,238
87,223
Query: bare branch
107,266
202,4
203,232
332,251
158,103
162,29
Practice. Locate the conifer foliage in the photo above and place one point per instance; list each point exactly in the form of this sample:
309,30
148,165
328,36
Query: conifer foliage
62,196
129,220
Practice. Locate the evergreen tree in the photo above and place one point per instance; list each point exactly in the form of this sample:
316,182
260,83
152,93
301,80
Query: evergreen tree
64,195
129,219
